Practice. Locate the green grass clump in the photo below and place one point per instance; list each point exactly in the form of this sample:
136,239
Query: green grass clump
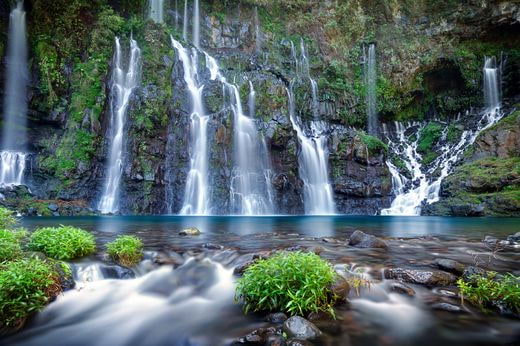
295,283
374,144
429,135
483,291
63,243
26,286
126,250
10,244
7,220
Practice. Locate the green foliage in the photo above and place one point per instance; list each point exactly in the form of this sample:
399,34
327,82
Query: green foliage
10,244
126,250
374,144
294,282
64,242
428,137
484,291
7,219
26,286
453,134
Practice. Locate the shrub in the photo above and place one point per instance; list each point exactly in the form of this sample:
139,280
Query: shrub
485,291
126,250
374,144
294,282
26,286
429,135
7,220
10,244
64,242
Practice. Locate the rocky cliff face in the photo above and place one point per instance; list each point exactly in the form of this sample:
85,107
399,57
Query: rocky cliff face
429,66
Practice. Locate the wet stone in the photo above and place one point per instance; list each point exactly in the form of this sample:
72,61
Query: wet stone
362,240
446,307
212,246
191,231
449,265
275,340
421,277
340,288
257,337
471,271
401,288
514,239
299,342
277,317
298,327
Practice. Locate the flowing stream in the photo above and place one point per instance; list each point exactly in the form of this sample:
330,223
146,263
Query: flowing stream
425,184
14,137
123,85
157,10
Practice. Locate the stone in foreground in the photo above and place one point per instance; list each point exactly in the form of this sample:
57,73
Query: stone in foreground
421,277
298,327
363,240
191,231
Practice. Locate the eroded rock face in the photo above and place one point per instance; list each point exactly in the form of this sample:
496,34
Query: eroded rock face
422,277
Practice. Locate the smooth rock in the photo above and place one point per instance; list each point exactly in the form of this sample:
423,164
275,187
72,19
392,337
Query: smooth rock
446,307
192,231
256,337
299,327
401,288
247,260
340,288
275,340
299,342
363,240
53,207
212,246
421,277
514,238
277,317
449,265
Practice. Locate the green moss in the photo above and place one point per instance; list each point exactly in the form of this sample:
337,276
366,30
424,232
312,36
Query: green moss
373,144
296,283
454,134
64,242
126,250
428,137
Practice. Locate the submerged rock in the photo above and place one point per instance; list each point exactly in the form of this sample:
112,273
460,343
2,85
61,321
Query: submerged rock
192,231
299,327
421,277
449,265
471,271
276,317
446,307
363,240
514,239
401,288
259,336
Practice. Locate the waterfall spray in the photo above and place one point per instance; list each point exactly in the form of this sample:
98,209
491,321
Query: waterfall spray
123,85
185,22
196,24
370,82
157,10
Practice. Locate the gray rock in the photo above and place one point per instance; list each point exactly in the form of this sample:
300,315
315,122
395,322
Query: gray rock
212,246
490,240
53,207
275,340
259,336
471,271
299,342
298,327
340,288
363,240
421,277
277,317
468,210
192,231
514,238
446,307
449,265
401,288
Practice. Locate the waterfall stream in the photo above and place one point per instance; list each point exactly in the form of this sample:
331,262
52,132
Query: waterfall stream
14,137
196,24
425,184
157,10
370,81
123,85
185,22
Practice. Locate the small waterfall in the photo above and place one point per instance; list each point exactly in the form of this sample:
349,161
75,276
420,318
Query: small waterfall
251,101
313,164
426,182
370,82
14,137
196,24
123,84
196,196
185,22
157,11
251,190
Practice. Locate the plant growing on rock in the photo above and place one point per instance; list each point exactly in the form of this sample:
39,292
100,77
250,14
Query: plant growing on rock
10,244
7,220
126,250
295,282
64,242
26,286
490,290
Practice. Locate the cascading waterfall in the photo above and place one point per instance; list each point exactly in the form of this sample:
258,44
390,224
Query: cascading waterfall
196,24
425,188
251,100
123,85
370,82
313,164
251,190
185,22
157,10
196,196
13,156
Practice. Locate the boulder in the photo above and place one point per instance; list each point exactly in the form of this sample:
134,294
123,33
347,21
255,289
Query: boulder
468,210
298,342
275,340
401,288
422,277
340,288
259,336
449,265
277,317
514,239
471,271
362,240
191,231
299,327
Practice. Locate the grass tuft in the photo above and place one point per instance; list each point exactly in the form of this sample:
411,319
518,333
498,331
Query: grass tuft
126,250
63,243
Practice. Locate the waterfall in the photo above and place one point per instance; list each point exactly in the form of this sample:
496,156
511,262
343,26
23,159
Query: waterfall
258,34
123,84
251,101
370,82
14,137
196,24
185,22
196,196
250,190
426,182
313,164
157,10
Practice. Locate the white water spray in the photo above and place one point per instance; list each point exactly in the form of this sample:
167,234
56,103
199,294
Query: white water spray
13,157
196,195
157,10
123,85
426,185
196,24
185,22
370,82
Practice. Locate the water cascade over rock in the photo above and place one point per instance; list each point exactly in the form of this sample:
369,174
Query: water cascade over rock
14,137
369,55
424,185
196,195
123,85
196,24
157,10
185,22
